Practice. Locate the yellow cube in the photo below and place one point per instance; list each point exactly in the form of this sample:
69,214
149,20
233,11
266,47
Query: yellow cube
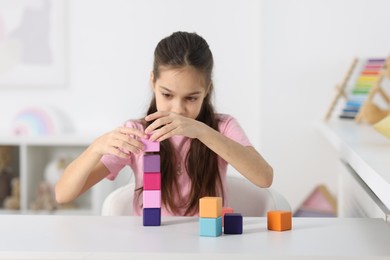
210,207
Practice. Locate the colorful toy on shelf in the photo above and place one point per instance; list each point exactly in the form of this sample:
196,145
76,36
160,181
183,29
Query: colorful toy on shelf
388,67
40,120
360,103
341,88
55,168
5,173
210,216
372,113
383,126
152,184
13,201
369,77
44,199
319,203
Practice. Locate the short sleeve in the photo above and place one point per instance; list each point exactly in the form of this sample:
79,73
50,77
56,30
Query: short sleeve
115,164
229,127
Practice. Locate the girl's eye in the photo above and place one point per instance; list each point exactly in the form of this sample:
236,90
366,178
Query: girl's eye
166,95
192,99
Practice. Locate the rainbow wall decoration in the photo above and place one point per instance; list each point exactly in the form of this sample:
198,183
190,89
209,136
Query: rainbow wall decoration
34,121
367,78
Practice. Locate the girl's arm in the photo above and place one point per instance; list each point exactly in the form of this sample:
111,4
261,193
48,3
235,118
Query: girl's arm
87,170
80,175
245,160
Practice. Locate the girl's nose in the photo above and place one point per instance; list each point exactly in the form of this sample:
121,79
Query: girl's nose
178,107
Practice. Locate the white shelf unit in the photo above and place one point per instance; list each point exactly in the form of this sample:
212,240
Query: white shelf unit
30,156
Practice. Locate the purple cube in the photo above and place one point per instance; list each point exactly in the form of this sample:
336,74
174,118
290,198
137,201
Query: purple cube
151,163
232,223
152,216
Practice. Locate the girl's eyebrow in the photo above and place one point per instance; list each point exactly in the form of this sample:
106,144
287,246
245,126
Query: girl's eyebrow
166,89
189,94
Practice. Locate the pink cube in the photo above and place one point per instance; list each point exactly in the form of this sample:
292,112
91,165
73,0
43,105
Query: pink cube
152,181
227,210
224,211
151,198
150,146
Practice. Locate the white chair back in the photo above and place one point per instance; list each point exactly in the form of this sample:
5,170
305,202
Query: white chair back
243,196
251,201
119,202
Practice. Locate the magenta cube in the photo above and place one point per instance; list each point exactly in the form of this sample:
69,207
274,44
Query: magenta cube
151,163
151,216
151,198
151,146
152,181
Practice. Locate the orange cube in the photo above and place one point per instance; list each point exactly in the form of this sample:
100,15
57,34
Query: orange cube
279,220
210,207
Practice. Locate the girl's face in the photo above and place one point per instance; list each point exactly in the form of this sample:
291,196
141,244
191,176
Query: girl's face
180,91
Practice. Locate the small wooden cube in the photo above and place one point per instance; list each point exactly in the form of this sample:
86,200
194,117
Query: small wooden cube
227,210
152,181
151,163
151,216
233,223
210,207
150,146
151,198
210,227
224,211
279,220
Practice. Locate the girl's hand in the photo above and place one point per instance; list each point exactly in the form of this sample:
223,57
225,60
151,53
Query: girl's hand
168,124
120,142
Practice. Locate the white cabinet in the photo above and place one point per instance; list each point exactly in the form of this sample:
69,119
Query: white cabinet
355,198
31,155
364,188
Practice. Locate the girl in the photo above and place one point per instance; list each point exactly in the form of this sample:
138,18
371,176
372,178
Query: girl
196,143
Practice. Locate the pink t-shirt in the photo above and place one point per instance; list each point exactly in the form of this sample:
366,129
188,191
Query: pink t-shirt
228,126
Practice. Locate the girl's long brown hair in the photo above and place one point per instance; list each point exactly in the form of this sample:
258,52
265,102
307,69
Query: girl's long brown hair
179,50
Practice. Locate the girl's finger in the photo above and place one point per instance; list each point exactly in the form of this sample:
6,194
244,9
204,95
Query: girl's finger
155,115
131,131
158,123
164,136
118,152
166,131
133,146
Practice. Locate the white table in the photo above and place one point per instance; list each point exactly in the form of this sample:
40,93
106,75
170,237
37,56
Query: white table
366,151
97,237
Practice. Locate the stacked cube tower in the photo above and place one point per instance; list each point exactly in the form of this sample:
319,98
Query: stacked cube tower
152,184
